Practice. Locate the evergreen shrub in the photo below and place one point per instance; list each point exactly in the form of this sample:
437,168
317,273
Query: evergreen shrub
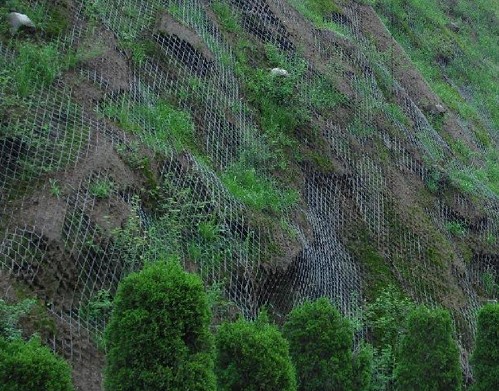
428,357
158,337
485,359
30,366
320,341
253,356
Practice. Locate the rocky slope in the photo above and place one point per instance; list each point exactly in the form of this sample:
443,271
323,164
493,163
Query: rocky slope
132,130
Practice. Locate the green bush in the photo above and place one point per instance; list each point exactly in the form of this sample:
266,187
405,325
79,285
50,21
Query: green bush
362,368
253,356
10,314
158,337
29,366
386,316
428,357
320,342
485,359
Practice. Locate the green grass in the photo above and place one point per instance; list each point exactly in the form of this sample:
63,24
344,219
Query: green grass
225,16
462,68
456,228
169,126
316,10
34,66
101,188
55,188
471,53
51,20
256,191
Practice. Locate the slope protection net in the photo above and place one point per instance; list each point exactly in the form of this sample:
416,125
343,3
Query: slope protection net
76,219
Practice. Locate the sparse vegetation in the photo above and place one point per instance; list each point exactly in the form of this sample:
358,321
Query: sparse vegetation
10,314
456,228
101,188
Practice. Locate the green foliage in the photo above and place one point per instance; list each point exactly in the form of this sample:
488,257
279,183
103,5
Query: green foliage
10,314
158,337
29,366
456,228
428,357
101,188
316,10
485,358
432,182
451,45
362,368
131,240
55,188
253,356
386,316
320,342
489,284
256,191
35,65
225,16
383,377
171,127
99,308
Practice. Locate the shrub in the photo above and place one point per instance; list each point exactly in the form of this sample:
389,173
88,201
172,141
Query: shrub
428,357
386,316
485,359
158,336
362,368
320,344
28,366
253,356
10,314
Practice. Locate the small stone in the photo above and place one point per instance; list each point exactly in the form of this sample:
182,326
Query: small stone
17,20
279,72
440,109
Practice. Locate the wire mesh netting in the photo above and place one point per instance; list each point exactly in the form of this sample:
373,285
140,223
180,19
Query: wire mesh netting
125,158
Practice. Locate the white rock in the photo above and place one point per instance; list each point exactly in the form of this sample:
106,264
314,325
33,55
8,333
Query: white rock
279,72
17,20
440,109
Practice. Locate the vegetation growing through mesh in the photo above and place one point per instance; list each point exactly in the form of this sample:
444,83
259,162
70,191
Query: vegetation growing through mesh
273,100
460,69
171,127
